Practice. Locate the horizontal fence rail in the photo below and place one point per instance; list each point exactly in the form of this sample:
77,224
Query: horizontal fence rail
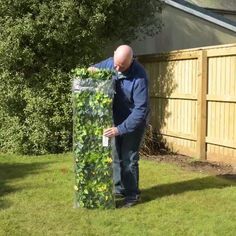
193,101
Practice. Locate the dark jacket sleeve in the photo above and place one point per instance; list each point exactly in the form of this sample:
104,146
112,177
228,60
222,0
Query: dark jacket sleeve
138,116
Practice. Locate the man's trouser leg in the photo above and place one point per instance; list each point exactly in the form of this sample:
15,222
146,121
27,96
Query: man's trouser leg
125,150
130,167
116,164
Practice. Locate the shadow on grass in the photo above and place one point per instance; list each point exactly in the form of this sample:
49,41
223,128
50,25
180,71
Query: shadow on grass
12,171
163,190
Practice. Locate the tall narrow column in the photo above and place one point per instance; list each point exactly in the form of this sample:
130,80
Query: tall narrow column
92,109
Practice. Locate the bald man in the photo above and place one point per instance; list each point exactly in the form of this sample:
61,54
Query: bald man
130,114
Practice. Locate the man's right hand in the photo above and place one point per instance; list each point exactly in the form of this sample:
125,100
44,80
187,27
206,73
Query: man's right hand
111,132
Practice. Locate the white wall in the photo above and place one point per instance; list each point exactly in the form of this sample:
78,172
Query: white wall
216,4
229,16
181,31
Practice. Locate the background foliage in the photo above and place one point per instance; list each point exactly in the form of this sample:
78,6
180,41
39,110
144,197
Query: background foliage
40,42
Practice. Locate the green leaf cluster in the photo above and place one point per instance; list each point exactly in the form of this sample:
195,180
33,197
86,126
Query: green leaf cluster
92,114
84,73
40,43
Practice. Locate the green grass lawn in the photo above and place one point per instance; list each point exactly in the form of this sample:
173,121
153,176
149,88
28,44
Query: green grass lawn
36,198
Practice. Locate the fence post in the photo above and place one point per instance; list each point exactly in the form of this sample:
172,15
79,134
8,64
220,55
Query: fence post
201,105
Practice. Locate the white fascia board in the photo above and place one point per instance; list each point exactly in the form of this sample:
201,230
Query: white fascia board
201,15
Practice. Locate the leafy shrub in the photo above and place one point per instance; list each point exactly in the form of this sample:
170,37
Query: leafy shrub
37,119
40,42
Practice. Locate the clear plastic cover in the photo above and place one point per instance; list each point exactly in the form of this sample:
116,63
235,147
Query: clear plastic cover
92,113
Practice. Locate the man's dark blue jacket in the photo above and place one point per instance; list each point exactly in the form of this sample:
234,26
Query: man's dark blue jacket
131,100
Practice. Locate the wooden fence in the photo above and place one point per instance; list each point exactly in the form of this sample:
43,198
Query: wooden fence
193,101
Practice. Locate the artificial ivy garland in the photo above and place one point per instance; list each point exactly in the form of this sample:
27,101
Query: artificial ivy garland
92,105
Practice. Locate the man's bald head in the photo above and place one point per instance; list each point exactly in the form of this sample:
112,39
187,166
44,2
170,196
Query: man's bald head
123,57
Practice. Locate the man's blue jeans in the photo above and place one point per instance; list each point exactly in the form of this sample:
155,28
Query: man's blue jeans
125,152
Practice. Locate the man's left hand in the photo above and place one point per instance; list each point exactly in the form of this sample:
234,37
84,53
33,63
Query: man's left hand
111,132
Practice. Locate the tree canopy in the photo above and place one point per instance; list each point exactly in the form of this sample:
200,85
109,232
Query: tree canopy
40,42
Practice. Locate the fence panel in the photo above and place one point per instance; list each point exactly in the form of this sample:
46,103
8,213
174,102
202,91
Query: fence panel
221,103
193,101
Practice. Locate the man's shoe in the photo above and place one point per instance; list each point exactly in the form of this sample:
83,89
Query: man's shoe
119,195
132,201
130,204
